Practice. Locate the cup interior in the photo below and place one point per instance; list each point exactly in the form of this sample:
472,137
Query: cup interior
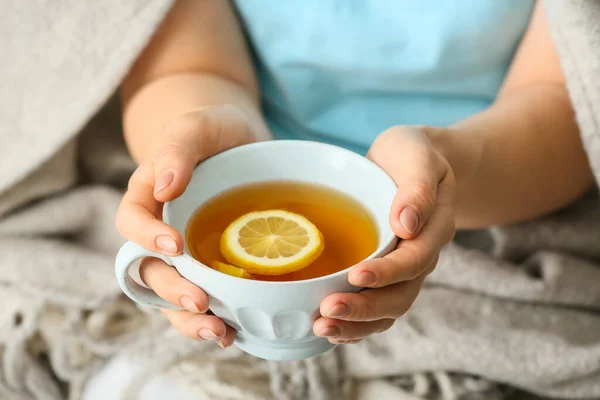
289,160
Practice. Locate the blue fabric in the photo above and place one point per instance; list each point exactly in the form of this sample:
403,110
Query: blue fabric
342,71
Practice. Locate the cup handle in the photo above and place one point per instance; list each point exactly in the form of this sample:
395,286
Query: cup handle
129,253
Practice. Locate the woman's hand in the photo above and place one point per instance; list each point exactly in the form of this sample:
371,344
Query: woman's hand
187,140
422,215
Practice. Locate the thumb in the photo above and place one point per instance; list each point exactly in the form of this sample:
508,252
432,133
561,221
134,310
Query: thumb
420,173
191,138
418,196
413,204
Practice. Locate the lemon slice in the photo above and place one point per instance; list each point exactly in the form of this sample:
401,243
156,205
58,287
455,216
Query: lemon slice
273,242
231,270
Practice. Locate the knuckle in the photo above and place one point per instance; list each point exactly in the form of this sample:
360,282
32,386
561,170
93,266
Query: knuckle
416,261
387,135
431,267
208,124
396,130
182,129
171,153
231,111
183,285
202,132
407,306
185,123
403,310
451,232
437,162
409,134
187,331
424,194
380,147
400,309
360,313
427,267
405,303
395,310
364,309
184,325
141,179
386,325
434,263
445,166
228,114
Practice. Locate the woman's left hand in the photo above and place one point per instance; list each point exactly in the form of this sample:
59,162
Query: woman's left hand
422,215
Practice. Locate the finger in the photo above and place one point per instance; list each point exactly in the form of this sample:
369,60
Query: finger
340,341
201,327
412,258
420,173
173,165
372,304
418,196
169,285
138,217
347,330
432,266
191,138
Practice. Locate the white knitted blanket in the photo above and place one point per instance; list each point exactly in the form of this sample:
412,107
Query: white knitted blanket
518,306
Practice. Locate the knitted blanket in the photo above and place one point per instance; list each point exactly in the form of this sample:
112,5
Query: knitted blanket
516,306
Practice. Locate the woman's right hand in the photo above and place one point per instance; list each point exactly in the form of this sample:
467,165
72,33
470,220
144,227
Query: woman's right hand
163,176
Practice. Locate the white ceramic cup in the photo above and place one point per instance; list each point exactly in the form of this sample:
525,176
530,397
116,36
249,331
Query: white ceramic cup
273,320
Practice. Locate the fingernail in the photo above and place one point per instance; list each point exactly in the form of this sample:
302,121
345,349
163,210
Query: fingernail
220,343
409,220
331,331
208,334
366,278
166,243
340,310
163,181
188,304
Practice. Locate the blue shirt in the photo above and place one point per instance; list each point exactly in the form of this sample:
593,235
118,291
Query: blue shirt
343,71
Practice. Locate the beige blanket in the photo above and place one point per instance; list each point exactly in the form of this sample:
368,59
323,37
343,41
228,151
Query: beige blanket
517,306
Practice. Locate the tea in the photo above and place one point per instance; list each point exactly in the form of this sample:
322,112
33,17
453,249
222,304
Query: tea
348,231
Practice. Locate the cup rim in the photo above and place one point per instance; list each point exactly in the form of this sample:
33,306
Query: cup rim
386,238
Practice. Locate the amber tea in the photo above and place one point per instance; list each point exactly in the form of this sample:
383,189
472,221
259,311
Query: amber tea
348,232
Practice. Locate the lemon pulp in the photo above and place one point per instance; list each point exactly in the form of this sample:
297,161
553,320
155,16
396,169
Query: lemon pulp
271,242
231,270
